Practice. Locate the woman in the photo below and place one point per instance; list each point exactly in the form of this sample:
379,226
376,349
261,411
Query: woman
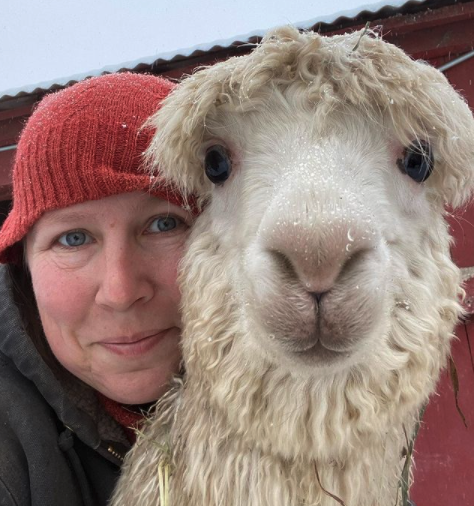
89,321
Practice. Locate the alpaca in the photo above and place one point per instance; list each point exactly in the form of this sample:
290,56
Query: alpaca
319,297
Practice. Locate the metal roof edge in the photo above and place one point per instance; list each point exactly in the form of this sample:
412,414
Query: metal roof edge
378,10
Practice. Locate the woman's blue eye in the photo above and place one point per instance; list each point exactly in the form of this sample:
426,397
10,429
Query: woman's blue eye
74,239
164,224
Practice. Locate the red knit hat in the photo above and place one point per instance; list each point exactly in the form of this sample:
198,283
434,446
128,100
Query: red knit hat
83,143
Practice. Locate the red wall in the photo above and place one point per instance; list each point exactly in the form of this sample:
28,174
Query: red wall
444,450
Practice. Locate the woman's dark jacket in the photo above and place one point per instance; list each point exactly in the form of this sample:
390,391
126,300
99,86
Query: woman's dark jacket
57,445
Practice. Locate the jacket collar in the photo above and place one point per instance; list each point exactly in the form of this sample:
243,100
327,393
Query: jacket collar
20,350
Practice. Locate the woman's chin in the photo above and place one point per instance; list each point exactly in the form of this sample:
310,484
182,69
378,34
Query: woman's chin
135,388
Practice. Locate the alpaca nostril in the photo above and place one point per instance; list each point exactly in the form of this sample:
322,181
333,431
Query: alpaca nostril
284,263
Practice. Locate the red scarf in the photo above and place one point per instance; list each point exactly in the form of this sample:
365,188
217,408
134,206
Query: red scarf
128,419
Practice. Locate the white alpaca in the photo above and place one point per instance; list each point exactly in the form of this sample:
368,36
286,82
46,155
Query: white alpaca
319,297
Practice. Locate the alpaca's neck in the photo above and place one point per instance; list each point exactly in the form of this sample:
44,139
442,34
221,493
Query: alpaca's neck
213,464
219,467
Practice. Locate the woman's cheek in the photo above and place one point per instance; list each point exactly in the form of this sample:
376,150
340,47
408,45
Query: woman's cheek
61,294
166,262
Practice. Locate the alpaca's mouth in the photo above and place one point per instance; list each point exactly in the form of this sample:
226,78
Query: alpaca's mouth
319,346
318,351
323,331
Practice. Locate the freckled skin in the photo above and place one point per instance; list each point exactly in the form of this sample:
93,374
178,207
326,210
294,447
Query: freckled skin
120,283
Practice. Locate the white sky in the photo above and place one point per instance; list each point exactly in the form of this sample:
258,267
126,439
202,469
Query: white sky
46,41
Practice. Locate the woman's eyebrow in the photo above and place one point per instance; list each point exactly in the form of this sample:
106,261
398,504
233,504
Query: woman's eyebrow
67,216
161,206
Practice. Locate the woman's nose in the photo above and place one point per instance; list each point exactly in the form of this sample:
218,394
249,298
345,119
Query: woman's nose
123,280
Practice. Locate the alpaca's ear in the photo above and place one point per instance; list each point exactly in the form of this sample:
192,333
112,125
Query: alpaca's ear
180,125
176,150
449,124
456,153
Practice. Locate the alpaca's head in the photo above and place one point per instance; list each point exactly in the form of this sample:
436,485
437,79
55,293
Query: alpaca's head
323,169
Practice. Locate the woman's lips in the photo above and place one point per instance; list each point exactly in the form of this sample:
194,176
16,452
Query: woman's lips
135,345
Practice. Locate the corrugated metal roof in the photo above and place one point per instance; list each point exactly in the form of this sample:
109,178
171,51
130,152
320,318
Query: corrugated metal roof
174,58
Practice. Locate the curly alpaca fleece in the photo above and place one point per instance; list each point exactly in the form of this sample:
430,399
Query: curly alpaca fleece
319,297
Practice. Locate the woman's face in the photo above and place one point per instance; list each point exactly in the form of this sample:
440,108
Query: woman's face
104,277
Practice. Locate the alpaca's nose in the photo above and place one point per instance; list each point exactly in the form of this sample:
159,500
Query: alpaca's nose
318,256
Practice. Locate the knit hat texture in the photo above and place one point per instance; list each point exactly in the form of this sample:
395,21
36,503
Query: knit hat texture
83,143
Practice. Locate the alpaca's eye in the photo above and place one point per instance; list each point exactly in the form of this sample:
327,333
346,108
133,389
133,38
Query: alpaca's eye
217,164
417,161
